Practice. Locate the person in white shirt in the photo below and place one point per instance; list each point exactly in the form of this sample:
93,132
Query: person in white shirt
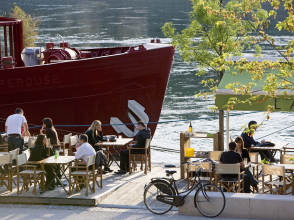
13,126
84,149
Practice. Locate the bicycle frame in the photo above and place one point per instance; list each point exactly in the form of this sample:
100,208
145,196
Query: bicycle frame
180,200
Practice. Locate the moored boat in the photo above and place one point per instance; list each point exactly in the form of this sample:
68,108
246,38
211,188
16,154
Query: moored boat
76,86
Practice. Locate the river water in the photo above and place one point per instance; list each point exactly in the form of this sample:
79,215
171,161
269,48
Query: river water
110,23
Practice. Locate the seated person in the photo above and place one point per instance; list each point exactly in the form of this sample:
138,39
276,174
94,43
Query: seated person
244,154
39,152
231,157
249,141
84,149
141,137
95,135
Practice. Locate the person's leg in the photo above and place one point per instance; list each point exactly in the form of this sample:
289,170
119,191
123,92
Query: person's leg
252,180
18,143
11,144
246,184
49,177
124,160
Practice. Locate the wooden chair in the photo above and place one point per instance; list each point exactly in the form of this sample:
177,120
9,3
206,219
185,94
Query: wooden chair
4,147
275,187
143,157
215,155
31,143
14,153
72,142
231,185
6,160
98,176
84,173
66,141
29,175
207,168
27,153
285,160
254,164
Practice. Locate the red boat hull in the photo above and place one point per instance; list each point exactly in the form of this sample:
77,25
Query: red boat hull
77,92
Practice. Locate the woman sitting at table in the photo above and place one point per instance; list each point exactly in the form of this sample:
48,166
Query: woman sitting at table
95,135
52,134
39,152
244,154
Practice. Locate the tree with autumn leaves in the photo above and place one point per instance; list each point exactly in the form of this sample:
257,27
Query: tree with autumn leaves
219,30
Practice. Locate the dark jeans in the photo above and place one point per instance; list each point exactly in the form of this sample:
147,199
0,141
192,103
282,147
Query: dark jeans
124,159
265,152
252,180
49,176
15,142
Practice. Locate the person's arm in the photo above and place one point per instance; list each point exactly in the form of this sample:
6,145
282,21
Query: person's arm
100,136
251,140
240,160
246,155
140,142
26,128
79,154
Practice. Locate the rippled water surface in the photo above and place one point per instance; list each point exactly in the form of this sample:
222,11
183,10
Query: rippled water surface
93,23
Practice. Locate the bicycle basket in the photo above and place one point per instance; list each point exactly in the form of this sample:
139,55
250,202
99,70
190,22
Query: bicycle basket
163,188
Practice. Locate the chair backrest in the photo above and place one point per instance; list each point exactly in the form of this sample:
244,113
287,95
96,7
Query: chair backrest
21,159
73,140
66,139
273,170
14,153
285,159
221,168
27,153
215,155
6,159
91,160
206,167
254,157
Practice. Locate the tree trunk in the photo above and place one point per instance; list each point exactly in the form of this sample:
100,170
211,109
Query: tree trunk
221,131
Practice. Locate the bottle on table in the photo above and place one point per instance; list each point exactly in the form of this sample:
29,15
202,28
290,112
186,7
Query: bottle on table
190,127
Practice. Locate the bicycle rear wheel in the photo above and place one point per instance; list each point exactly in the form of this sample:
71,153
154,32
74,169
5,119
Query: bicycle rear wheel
210,200
154,189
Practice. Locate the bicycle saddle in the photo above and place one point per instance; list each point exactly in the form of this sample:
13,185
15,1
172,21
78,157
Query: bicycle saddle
170,172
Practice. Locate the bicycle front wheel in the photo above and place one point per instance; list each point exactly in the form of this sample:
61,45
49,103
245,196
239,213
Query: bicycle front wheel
151,193
210,200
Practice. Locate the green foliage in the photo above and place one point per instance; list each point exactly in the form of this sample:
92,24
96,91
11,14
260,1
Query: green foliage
30,26
217,32
264,161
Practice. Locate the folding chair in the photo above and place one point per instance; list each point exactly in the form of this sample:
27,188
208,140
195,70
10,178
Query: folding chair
29,175
215,155
143,157
230,184
72,142
84,173
275,187
206,168
6,174
14,153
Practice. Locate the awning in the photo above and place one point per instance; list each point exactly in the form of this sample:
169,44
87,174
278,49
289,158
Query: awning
223,95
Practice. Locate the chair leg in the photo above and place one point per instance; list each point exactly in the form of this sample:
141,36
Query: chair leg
145,159
69,181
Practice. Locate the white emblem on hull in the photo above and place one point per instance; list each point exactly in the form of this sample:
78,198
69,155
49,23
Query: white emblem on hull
138,110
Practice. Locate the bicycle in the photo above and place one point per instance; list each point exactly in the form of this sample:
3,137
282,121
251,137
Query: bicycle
161,194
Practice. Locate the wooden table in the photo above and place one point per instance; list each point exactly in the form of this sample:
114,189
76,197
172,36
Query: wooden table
60,161
278,147
116,146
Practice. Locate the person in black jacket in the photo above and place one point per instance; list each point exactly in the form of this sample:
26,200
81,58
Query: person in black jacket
95,135
244,154
52,134
39,152
141,137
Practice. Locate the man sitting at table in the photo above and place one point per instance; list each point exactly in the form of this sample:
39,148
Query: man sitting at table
249,141
231,157
141,137
84,149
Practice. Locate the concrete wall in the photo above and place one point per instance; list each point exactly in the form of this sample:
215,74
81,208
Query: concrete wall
241,205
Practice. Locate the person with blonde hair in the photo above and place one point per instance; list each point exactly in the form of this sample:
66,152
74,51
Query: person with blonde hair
95,134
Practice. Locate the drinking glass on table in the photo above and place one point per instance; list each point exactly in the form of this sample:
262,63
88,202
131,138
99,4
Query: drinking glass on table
119,137
245,161
107,137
